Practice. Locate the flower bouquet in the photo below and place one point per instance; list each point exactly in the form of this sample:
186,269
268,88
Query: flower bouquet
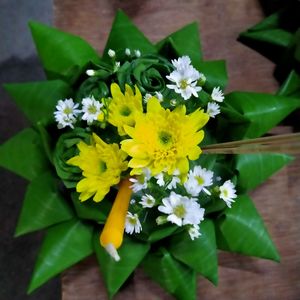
139,157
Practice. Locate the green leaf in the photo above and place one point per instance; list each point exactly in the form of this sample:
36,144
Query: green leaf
263,112
23,154
90,210
38,99
173,276
183,46
63,55
291,86
64,245
199,254
242,230
116,273
43,205
215,73
254,169
162,232
124,34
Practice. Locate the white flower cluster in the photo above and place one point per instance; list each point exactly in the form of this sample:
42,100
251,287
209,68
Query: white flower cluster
181,209
213,108
67,111
185,78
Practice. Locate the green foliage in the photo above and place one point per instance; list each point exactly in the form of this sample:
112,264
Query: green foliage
23,154
240,229
199,254
116,273
63,55
64,245
43,205
172,275
37,100
254,169
124,34
181,45
250,115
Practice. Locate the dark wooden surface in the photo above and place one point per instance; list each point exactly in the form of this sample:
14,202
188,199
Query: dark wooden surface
277,200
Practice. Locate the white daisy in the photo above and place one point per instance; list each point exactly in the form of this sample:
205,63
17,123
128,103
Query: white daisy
194,232
147,97
213,109
228,192
217,94
66,113
159,96
185,78
198,179
181,210
147,201
91,109
132,224
140,182
111,53
162,179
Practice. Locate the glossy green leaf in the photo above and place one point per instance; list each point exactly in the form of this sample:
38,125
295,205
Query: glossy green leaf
90,210
24,155
162,232
116,273
173,276
240,229
43,205
263,112
254,169
291,86
199,254
63,55
64,245
215,73
124,34
38,99
183,46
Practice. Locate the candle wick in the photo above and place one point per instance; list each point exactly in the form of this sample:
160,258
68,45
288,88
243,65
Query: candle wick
112,251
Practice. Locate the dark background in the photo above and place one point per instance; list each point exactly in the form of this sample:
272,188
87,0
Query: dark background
18,63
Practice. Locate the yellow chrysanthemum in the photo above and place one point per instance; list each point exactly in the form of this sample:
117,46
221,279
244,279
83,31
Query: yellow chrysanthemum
124,108
101,166
164,140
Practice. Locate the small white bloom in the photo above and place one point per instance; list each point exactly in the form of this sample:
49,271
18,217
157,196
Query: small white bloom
217,94
132,224
194,232
147,97
228,192
137,53
181,210
140,182
91,109
90,72
127,52
162,179
213,109
159,96
66,113
147,201
184,78
111,53
132,201
117,66
198,179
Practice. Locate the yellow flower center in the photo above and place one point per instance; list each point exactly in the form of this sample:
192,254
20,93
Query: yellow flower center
68,110
179,211
183,84
125,111
200,180
92,109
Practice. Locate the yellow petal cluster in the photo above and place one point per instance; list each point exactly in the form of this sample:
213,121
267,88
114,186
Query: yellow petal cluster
124,108
164,140
101,165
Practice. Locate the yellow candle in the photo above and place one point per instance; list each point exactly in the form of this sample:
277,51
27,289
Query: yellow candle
111,237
